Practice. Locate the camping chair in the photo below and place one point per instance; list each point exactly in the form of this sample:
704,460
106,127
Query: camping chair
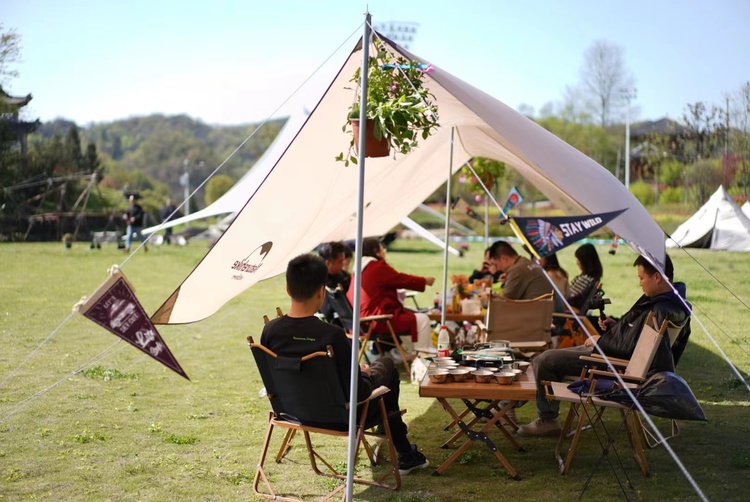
634,374
567,325
527,324
307,395
340,304
674,331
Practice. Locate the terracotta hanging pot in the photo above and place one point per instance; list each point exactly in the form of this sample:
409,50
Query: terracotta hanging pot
373,147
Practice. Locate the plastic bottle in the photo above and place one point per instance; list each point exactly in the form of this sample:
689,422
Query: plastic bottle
436,301
444,342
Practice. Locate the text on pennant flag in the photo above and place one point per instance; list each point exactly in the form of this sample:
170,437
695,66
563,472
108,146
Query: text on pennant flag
115,308
548,235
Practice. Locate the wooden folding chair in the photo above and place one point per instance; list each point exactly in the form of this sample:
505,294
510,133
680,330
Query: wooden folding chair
340,304
634,374
307,395
527,324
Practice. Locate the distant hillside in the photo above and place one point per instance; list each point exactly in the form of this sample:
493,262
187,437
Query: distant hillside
157,145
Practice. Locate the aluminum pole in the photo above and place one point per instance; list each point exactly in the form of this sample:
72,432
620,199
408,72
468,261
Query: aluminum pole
627,143
354,377
447,231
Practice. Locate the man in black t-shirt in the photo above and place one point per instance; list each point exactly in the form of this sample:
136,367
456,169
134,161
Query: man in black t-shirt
299,333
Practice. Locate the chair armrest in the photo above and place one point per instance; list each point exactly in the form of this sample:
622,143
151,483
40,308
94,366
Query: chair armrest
612,375
600,360
480,325
376,393
380,317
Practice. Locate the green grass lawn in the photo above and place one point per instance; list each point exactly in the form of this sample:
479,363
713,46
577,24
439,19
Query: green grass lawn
127,428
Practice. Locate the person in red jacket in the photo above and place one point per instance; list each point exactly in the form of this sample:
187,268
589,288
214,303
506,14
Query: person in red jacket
379,295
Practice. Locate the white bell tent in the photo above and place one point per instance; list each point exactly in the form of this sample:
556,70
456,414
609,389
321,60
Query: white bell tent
719,224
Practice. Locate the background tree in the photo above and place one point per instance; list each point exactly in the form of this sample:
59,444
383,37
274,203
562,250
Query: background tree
604,76
217,186
10,53
739,136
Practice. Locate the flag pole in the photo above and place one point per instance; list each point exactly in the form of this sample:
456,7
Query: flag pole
354,377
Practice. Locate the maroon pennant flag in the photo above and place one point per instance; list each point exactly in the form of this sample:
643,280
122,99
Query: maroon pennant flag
115,308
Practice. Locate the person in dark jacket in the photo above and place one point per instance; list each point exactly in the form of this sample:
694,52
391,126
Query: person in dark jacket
135,218
299,333
334,255
618,340
169,212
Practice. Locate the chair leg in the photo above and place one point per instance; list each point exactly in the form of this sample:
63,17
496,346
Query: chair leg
399,347
582,412
285,445
634,428
260,472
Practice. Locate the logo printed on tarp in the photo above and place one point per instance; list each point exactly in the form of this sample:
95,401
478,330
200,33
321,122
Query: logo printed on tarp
545,236
115,308
252,262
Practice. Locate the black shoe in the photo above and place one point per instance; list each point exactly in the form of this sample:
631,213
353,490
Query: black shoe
407,462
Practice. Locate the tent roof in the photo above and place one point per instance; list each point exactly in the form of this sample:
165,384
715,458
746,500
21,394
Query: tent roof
308,197
718,224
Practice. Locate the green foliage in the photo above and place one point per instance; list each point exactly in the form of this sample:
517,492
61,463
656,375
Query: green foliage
644,192
396,100
108,374
671,195
217,186
10,53
672,172
175,439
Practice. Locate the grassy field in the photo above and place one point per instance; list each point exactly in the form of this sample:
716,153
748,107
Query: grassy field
127,428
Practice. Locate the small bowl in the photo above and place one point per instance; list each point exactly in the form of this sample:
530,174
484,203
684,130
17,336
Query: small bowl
438,375
482,376
442,359
523,365
504,377
516,373
458,375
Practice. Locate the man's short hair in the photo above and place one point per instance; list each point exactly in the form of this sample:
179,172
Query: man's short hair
501,248
651,270
331,250
305,275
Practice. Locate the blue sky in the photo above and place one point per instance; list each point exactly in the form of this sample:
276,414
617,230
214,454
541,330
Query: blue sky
228,62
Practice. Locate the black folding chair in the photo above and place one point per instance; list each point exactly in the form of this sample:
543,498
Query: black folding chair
336,299
307,395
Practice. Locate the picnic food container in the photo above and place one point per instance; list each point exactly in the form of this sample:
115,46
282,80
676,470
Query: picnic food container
458,374
437,375
482,376
504,377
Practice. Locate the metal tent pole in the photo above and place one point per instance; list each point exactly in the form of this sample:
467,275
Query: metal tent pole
447,230
358,263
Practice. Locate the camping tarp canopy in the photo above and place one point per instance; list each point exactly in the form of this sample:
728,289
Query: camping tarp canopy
718,224
309,198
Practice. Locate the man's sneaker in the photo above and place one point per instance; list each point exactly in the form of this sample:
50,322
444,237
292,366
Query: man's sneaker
540,427
407,462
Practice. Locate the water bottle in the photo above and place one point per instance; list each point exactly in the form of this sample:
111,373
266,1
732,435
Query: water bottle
444,342
436,301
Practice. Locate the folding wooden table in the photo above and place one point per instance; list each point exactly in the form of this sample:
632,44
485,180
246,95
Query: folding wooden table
482,400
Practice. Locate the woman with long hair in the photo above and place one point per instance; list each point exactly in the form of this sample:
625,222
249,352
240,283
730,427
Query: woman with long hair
558,274
591,273
379,295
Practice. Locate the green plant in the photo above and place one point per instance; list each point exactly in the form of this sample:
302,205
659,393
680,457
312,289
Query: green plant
397,101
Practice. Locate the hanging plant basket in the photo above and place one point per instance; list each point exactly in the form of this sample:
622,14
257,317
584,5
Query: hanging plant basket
374,147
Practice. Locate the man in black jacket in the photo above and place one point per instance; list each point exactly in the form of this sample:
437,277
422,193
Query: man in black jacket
618,340
299,333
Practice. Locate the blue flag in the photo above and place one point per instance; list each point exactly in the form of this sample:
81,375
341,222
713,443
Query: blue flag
514,199
548,235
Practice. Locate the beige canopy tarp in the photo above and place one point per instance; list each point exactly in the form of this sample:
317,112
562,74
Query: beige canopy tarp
309,198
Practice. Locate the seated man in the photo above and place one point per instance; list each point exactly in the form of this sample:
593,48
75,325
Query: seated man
299,333
334,255
618,340
488,270
522,279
